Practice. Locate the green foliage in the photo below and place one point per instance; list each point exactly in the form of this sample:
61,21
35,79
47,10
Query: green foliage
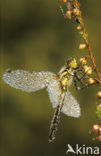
98,112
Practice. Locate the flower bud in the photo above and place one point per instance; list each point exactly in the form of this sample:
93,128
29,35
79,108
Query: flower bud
82,46
95,128
69,14
77,5
64,1
88,69
69,6
99,95
83,60
99,106
79,27
99,137
99,130
76,12
91,80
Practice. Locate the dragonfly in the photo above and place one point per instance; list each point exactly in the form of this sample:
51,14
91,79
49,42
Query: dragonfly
57,86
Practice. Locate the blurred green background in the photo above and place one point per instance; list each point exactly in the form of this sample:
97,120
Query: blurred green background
35,37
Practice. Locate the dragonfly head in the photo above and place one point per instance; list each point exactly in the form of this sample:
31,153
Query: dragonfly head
71,63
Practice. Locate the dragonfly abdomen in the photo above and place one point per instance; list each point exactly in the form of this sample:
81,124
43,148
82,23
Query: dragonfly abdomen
54,123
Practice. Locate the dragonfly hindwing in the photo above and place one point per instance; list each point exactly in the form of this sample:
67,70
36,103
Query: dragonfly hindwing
70,106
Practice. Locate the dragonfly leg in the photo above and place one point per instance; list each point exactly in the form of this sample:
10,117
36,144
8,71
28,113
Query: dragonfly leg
82,81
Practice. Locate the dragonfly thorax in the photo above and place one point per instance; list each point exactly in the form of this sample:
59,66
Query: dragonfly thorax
66,77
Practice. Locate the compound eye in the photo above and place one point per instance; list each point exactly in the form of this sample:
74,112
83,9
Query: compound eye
68,61
71,62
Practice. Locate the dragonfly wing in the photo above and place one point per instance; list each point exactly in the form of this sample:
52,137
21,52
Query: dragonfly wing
26,81
70,106
53,91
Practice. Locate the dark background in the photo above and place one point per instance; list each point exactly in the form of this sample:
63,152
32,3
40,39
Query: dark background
36,37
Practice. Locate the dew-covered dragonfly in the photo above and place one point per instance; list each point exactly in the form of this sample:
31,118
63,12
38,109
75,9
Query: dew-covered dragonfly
57,86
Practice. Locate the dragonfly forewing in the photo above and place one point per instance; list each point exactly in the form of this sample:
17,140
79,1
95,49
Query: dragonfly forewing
27,81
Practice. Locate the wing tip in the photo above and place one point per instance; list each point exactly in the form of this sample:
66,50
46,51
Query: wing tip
77,113
5,75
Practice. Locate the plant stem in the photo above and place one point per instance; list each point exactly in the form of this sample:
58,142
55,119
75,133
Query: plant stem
85,36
